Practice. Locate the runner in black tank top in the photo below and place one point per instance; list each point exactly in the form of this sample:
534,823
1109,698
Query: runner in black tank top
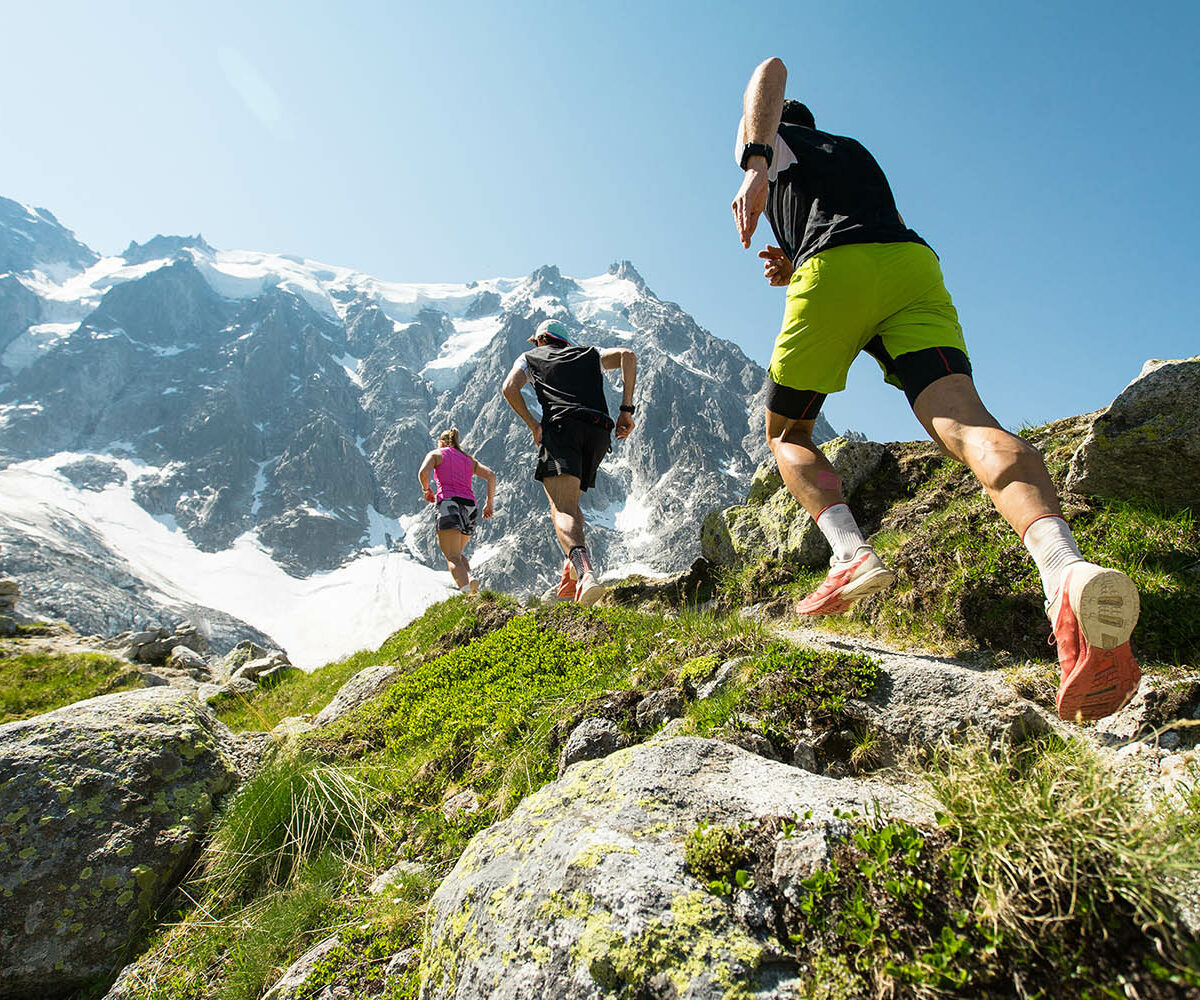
573,435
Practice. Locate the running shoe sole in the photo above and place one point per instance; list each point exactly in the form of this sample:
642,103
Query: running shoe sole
1105,606
1105,603
867,584
1104,682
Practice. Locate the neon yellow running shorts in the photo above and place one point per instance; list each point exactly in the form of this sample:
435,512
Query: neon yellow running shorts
888,299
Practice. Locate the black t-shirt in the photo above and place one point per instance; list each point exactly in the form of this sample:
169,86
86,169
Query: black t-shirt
569,382
826,191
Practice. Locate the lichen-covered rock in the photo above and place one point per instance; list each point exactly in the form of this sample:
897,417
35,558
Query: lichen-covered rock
1146,445
243,652
772,523
657,707
920,701
291,983
102,805
358,690
185,658
581,893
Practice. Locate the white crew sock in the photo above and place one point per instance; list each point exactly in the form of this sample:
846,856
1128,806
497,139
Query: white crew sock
841,531
1050,542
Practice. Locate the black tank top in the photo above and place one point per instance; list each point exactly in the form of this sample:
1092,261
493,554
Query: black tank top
835,193
569,382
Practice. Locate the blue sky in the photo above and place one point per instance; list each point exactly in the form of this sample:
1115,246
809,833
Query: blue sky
1048,152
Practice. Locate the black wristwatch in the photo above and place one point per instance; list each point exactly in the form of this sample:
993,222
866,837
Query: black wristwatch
626,408
757,149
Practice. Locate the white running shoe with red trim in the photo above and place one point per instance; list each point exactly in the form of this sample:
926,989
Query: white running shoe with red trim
847,582
590,590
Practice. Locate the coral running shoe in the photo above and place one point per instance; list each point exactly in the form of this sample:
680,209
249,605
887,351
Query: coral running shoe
847,582
567,586
590,590
1091,629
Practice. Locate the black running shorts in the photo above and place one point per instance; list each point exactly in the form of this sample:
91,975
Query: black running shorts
572,448
457,514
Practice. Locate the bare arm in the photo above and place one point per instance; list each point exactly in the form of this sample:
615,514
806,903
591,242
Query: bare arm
612,358
762,108
432,461
489,477
512,394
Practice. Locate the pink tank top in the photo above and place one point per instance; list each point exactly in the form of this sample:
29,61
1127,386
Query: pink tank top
453,475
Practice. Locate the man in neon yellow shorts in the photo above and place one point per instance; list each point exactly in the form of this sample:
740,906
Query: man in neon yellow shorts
858,279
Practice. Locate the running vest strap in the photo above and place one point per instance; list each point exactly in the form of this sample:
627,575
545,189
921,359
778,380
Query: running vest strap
829,192
569,382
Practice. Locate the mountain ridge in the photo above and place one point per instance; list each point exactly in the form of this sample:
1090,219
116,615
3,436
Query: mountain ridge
275,398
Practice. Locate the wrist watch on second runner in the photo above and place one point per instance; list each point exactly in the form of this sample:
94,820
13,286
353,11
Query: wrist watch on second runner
626,408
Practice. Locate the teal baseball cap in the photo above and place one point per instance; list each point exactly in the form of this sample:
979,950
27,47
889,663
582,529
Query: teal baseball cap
552,328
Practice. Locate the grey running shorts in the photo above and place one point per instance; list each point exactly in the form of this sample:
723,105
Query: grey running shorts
457,514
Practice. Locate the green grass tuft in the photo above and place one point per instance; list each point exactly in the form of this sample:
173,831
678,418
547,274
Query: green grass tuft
33,683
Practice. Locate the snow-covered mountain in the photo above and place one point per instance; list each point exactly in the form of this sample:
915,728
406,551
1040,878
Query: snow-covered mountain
255,402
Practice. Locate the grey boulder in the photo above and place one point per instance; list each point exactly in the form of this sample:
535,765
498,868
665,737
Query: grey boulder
102,806
358,690
594,737
291,983
772,523
1146,445
920,701
581,893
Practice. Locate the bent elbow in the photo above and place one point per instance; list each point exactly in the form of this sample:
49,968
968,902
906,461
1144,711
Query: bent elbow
773,65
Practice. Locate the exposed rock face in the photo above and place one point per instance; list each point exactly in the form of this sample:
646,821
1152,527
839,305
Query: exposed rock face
582,892
358,690
772,523
68,573
592,738
919,701
291,983
102,805
34,239
1146,445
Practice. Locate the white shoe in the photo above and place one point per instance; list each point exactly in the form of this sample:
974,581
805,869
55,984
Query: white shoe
590,590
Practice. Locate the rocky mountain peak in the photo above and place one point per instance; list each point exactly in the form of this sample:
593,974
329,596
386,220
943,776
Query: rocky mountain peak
548,281
32,238
625,270
164,246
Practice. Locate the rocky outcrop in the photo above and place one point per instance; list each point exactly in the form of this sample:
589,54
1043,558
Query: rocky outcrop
593,738
358,690
10,593
772,523
582,892
1146,445
102,807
